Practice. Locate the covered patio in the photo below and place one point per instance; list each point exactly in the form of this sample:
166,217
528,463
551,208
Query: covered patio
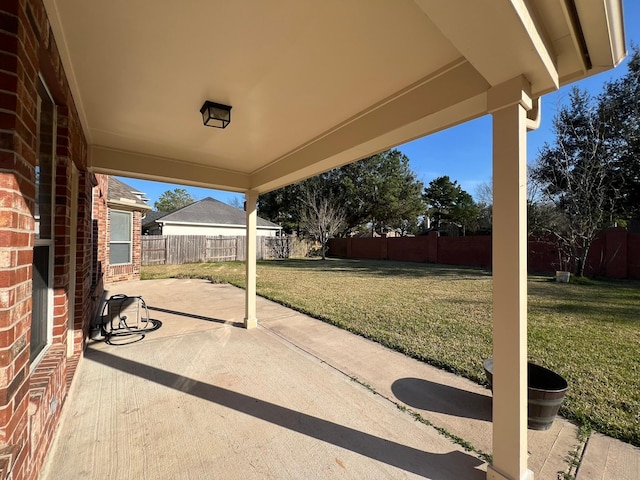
202,397
316,85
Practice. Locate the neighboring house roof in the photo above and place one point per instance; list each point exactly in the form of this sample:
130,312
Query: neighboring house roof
208,211
151,217
121,194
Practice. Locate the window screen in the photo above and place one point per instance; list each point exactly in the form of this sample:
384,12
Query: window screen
120,240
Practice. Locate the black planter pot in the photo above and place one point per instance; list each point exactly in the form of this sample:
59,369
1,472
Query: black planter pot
545,393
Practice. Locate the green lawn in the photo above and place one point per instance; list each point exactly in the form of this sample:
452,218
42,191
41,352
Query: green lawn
589,332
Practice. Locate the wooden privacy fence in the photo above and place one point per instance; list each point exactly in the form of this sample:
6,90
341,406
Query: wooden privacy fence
615,253
178,249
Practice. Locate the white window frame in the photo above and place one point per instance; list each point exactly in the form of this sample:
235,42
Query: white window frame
48,242
120,242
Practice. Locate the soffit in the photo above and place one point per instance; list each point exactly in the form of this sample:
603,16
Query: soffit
289,69
312,85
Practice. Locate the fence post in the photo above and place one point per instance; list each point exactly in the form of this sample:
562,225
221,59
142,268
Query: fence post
432,246
165,251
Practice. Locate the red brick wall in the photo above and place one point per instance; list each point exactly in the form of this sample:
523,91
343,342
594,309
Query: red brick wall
89,284
100,228
46,394
18,61
106,272
31,398
121,273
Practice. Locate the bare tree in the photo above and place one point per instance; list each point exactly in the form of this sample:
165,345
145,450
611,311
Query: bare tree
321,218
484,192
280,246
237,202
484,196
575,175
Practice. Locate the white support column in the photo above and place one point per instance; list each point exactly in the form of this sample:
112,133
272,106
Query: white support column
509,104
250,318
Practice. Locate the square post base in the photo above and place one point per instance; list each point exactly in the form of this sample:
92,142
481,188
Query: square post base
493,474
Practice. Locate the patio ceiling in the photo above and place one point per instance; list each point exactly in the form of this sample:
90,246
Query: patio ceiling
313,85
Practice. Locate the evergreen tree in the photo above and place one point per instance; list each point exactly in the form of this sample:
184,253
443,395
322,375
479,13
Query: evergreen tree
283,206
380,192
171,201
446,200
619,108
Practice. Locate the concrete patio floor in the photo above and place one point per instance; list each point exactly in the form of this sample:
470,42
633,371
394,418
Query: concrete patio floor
202,397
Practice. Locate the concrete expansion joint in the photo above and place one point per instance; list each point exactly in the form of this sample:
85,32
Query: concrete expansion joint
300,349
575,456
466,445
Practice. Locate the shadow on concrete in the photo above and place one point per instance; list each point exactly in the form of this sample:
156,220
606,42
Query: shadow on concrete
125,335
450,466
197,317
436,397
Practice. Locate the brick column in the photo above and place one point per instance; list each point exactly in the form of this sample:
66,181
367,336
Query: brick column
18,66
31,396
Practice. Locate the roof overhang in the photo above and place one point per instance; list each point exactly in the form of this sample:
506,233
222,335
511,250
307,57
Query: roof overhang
125,204
314,85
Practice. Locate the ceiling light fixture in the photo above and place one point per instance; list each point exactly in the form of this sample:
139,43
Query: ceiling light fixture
215,114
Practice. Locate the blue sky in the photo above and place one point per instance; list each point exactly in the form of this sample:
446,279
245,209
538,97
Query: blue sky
463,152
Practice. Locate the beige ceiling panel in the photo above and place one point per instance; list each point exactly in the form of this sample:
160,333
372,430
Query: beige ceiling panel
281,174
290,71
118,162
453,85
